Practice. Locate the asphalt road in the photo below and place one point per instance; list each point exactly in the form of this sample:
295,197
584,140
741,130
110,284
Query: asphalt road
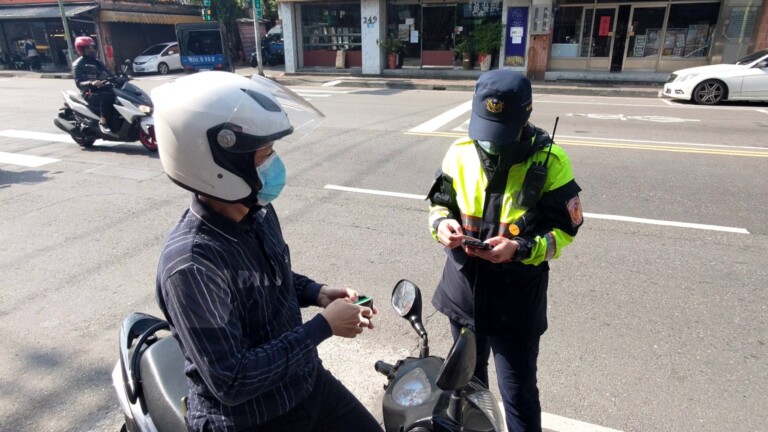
657,311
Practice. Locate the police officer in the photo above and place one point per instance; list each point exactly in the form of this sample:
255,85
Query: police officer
503,204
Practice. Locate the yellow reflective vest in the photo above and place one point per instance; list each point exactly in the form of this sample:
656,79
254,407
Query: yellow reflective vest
463,172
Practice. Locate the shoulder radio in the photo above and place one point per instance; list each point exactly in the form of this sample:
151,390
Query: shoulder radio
535,178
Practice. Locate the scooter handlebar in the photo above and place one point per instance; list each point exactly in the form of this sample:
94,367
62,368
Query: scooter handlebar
383,368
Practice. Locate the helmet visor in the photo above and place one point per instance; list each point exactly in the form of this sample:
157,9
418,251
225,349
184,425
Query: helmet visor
303,116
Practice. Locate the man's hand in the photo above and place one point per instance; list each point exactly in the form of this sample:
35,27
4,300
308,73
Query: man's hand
347,319
449,233
97,83
503,250
328,294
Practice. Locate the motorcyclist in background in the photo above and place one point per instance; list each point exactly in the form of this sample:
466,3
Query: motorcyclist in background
90,77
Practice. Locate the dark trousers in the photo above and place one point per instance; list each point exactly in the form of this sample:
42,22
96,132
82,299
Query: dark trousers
104,99
515,360
329,408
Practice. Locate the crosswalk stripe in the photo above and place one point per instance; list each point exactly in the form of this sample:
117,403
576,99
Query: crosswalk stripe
25,160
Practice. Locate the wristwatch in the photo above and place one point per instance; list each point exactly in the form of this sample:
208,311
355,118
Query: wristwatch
523,250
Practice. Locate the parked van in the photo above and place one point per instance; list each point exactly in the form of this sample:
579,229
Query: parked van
203,47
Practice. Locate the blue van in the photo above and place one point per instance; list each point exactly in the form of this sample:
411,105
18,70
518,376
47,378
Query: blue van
202,47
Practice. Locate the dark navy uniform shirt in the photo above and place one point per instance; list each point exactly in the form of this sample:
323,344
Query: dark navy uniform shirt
233,301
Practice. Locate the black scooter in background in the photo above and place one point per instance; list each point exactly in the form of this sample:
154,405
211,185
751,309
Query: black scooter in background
428,393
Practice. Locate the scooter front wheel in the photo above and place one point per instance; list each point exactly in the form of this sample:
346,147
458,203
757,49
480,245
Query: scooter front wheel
148,141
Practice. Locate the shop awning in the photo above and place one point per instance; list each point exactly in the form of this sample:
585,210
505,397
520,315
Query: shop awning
41,12
147,18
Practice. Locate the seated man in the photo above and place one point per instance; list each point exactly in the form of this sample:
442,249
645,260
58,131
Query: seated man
90,77
225,280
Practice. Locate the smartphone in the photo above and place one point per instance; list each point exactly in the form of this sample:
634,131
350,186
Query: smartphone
475,243
365,301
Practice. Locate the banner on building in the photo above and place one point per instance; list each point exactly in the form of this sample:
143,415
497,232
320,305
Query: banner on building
485,8
515,36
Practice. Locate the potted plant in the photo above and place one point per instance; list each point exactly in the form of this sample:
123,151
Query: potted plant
393,46
464,47
487,42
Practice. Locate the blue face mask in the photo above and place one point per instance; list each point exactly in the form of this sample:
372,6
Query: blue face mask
489,147
272,175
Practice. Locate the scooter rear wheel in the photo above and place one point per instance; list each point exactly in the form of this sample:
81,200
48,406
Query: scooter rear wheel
148,141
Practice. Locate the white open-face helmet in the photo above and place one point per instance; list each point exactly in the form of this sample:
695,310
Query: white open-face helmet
209,124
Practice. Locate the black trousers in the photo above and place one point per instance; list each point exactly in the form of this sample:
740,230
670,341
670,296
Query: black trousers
515,360
329,408
104,99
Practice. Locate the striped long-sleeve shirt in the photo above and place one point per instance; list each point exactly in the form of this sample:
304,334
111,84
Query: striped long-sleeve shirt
233,301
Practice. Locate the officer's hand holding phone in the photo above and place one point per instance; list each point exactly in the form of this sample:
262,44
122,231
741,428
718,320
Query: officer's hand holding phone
502,250
449,233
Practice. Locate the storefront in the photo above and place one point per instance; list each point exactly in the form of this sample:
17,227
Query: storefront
43,25
430,30
333,34
648,36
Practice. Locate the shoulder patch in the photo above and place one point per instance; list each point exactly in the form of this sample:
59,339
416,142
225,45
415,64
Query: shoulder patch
574,209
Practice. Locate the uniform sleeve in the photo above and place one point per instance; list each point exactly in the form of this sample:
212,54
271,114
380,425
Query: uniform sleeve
561,215
442,197
197,300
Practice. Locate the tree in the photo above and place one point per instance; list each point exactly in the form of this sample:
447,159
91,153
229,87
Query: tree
227,12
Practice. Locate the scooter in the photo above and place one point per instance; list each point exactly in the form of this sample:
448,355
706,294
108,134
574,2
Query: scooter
272,52
428,393
133,121
149,377
423,394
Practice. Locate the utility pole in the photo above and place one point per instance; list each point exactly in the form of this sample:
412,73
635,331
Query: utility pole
67,35
257,15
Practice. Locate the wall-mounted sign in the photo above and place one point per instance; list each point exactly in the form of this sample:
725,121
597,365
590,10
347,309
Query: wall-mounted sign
515,37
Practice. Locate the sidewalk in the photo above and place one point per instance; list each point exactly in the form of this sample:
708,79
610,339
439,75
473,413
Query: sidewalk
436,82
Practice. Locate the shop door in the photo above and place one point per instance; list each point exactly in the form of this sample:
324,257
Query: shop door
600,39
439,22
645,38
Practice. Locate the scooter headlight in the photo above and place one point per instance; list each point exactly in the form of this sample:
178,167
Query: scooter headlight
412,389
485,401
145,109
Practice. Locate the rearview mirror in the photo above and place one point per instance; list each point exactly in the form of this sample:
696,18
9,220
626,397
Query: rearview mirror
406,300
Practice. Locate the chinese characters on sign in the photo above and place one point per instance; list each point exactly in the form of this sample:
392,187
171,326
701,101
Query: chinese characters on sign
485,8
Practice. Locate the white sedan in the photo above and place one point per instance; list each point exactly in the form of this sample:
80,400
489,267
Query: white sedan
746,80
160,58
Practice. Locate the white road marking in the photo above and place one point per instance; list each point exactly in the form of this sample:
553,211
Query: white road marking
24,160
332,83
442,119
40,136
667,101
375,192
588,215
622,117
583,138
763,111
305,90
45,136
557,423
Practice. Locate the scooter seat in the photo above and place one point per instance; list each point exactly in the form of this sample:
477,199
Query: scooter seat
164,384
